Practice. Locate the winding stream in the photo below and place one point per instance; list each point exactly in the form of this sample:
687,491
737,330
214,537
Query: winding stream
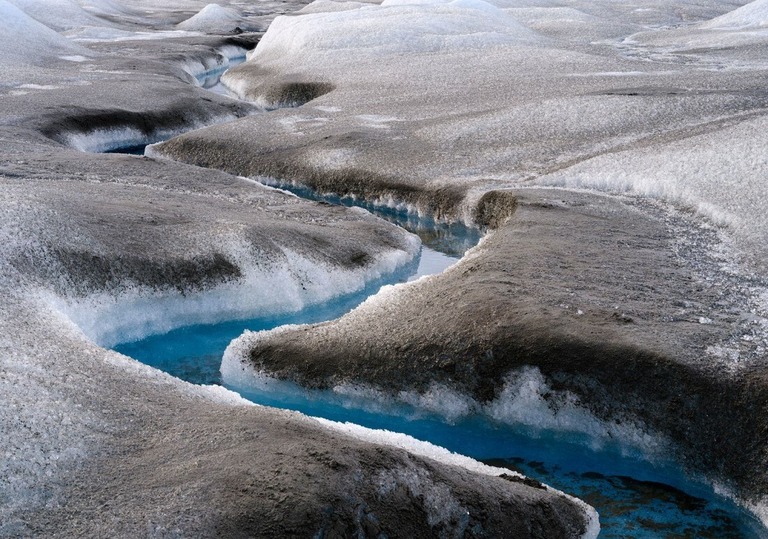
635,498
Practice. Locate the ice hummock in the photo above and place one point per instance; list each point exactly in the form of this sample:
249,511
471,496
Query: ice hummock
392,27
27,41
213,18
750,16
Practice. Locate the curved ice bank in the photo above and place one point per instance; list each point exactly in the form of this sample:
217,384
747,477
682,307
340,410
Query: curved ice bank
269,289
719,172
526,402
110,130
447,236
440,454
625,327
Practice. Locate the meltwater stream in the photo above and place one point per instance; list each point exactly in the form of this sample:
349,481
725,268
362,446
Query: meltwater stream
635,499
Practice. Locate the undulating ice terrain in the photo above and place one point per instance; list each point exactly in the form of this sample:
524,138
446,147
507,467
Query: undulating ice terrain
611,151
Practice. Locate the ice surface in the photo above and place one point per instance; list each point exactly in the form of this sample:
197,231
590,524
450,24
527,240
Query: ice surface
718,174
58,15
425,449
392,27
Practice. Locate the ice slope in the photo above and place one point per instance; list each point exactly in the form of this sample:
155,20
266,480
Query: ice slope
213,18
394,27
58,15
751,16
719,174
25,40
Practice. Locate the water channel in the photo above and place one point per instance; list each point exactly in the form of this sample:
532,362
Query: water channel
635,498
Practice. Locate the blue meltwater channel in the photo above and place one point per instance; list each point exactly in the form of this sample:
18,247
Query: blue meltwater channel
635,498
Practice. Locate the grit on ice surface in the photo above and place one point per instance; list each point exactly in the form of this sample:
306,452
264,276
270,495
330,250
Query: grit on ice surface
100,247
616,147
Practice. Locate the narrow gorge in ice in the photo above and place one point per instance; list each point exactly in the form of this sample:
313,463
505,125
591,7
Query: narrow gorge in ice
376,269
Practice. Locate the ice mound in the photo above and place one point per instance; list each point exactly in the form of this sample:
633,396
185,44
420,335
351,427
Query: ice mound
752,15
392,27
25,40
213,19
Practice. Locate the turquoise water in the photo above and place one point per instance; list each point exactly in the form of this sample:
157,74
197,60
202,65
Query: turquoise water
211,79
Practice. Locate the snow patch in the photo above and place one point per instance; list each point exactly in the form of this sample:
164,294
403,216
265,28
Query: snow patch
75,58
